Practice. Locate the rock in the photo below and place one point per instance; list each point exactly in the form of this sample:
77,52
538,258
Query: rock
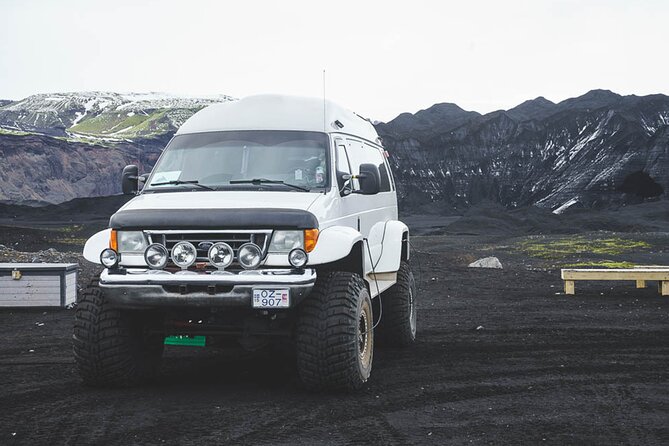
487,262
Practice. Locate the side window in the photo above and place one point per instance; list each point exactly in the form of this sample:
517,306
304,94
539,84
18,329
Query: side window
363,153
343,164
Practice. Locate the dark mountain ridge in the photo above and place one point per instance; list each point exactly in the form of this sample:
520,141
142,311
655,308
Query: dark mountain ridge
579,150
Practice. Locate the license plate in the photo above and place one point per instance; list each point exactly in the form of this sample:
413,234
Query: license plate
271,298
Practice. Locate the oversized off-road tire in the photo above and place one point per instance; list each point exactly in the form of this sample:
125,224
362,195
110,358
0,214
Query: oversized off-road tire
112,347
398,319
334,334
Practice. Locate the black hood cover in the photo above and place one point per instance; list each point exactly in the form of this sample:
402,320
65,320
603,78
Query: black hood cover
213,219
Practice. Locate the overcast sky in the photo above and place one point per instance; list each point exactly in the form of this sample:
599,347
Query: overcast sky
381,57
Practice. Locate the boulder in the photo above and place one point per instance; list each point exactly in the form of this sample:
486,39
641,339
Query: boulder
487,262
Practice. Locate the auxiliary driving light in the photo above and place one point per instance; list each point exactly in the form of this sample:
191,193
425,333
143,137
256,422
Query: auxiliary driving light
221,255
109,258
184,254
298,258
249,255
156,256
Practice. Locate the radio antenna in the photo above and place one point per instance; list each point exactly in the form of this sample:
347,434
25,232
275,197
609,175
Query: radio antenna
324,126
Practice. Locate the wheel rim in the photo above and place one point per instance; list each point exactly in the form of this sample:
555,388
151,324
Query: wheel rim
412,312
365,335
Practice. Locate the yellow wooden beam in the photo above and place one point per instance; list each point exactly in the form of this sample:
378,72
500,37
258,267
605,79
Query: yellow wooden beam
616,274
569,287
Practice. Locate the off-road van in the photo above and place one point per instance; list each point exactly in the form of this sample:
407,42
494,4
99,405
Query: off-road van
268,218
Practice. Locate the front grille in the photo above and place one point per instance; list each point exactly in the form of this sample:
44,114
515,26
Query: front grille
202,240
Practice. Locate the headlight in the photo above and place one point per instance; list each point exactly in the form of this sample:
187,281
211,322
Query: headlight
109,258
131,241
249,255
285,241
184,254
221,255
156,256
298,258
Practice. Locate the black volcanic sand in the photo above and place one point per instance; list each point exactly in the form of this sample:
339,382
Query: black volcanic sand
502,357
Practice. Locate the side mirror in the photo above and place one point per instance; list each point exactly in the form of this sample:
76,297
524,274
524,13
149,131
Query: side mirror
129,180
370,179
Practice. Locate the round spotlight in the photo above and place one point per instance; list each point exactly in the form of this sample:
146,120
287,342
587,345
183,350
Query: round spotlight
184,254
156,256
109,258
249,255
298,258
221,255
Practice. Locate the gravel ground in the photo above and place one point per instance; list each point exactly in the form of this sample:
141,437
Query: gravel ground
502,357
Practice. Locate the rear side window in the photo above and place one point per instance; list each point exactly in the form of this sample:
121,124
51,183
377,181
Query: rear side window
363,153
343,164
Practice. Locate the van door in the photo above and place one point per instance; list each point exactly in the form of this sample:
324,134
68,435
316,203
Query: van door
372,210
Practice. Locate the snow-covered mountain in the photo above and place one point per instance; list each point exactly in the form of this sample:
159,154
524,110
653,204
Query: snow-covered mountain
102,115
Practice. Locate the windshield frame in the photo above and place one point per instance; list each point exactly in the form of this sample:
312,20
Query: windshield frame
264,187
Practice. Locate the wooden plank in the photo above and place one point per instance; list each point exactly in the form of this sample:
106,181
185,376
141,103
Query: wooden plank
28,297
27,281
34,303
615,274
39,266
569,287
11,287
640,283
8,279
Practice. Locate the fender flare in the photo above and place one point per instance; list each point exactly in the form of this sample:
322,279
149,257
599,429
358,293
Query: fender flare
395,237
334,243
95,245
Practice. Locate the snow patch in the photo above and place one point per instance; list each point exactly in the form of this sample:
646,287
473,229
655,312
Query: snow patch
566,206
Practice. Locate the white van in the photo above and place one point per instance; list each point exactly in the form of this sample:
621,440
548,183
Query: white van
269,218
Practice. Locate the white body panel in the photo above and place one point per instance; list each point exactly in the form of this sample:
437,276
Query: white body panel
224,200
95,245
278,112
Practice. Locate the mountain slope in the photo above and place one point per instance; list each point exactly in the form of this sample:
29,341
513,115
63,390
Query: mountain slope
102,115
43,169
581,150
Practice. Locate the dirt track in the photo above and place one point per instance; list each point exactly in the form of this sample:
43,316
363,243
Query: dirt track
501,359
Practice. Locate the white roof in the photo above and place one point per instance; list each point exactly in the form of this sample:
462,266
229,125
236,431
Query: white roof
278,112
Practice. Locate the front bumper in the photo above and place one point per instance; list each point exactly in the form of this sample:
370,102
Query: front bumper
142,288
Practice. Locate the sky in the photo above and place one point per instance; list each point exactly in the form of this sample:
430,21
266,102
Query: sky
381,58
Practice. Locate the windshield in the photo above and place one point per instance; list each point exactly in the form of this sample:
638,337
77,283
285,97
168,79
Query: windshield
233,159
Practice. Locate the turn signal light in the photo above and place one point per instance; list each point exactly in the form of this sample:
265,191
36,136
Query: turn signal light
310,239
113,240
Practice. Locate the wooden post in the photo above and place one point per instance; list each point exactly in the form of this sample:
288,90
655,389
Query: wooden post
569,287
640,283
664,287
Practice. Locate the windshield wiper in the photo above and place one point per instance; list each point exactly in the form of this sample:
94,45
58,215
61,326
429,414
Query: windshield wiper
259,181
178,182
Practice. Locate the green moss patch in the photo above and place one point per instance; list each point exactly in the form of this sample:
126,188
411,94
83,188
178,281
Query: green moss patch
573,246
600,264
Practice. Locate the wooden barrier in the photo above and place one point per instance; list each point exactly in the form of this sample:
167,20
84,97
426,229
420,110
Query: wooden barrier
638,274
38,284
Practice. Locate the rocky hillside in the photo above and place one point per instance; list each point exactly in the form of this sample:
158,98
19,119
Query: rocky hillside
102,116
41,169
598,149
595,150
